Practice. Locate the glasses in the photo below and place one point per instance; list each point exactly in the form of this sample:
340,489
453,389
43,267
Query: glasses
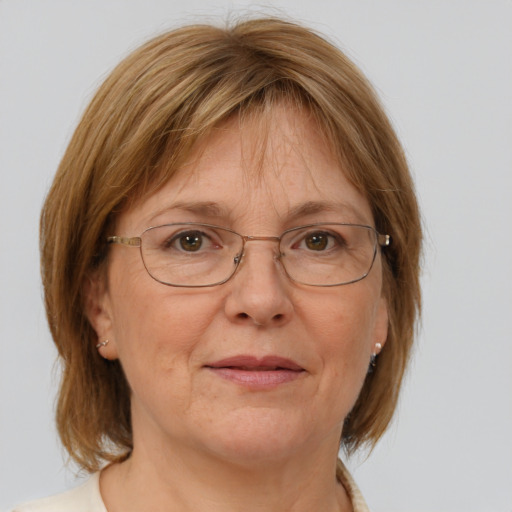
199,255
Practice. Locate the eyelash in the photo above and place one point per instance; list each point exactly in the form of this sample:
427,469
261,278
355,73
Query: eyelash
177,237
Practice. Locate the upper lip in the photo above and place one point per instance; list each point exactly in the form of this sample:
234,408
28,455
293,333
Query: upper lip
245,362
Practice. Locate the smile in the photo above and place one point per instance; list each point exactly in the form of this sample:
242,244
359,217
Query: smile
258,368
257,374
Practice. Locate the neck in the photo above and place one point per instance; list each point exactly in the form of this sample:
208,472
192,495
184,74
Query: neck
183,479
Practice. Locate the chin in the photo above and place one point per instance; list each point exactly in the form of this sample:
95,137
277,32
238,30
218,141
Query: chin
259,437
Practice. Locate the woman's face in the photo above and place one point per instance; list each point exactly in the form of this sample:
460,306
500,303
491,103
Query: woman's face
198,359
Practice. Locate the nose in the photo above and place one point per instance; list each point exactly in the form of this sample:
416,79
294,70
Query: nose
260,290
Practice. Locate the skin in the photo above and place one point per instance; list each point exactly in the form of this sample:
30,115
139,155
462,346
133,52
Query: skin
202,442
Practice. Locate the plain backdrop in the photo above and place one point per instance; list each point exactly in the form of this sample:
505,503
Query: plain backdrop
444,72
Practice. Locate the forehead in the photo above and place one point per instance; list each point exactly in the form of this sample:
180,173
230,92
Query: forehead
259,170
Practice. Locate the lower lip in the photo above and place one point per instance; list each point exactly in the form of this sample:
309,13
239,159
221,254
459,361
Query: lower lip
257,379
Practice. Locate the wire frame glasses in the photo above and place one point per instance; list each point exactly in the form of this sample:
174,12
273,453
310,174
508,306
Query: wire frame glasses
198,255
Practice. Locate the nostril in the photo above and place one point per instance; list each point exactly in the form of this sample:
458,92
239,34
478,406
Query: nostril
245,316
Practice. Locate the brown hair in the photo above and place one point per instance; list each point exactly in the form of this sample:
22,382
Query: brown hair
141,124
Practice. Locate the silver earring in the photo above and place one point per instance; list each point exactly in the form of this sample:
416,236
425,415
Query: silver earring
102,344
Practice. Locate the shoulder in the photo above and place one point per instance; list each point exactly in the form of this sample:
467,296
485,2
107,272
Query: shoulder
345,478
85,498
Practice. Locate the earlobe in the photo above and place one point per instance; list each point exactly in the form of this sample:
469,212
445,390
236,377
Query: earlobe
382,322
98,309
380,333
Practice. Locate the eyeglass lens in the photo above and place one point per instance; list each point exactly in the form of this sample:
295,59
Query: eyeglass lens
204,255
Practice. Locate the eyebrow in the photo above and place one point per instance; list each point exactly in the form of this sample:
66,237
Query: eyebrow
316,207
213,209
200,208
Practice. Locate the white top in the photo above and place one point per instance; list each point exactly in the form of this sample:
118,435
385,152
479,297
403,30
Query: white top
87,497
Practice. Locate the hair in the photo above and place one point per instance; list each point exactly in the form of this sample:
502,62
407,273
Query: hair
141,125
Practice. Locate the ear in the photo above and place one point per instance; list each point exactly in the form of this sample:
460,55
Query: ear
99,312
381,322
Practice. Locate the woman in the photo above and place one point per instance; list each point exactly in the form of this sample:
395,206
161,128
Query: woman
230,260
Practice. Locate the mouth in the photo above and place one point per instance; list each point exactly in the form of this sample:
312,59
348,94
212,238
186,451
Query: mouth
257,373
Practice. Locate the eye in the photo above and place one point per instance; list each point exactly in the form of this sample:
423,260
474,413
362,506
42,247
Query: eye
317,241
331,240
191,241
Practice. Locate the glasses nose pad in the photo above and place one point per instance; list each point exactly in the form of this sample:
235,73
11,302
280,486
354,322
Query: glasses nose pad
278,253
238,258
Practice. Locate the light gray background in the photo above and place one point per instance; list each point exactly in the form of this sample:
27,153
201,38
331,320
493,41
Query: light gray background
444,72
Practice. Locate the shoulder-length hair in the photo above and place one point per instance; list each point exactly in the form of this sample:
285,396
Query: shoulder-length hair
141,125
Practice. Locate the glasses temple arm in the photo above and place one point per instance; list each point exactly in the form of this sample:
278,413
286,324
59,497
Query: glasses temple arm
124,240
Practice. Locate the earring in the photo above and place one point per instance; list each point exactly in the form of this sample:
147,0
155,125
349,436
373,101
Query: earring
102,344
373,357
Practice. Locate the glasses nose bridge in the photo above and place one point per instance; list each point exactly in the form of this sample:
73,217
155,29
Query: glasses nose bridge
257,238
254,238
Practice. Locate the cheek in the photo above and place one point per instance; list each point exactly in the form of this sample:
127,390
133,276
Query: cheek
159,335
341,328
159,327
344,322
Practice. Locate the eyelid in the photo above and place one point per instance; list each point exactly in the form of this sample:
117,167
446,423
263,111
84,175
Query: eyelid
212,237
301,235
190,232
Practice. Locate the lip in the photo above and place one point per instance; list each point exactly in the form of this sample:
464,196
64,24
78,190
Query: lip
257,373
255,363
